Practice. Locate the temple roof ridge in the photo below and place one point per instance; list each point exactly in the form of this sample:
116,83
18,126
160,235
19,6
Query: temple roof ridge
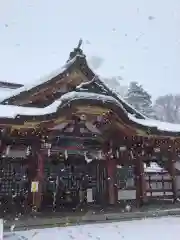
77,51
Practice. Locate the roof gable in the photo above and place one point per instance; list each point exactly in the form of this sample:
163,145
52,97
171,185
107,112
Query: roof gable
77,61
45,82
10,85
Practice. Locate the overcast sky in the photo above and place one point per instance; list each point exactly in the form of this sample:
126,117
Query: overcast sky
138,39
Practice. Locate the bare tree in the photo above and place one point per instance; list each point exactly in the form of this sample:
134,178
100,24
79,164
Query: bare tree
167,108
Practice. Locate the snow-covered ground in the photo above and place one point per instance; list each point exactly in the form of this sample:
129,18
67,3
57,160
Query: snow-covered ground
149,229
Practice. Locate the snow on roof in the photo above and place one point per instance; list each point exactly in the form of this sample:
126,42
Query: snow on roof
113,90
153,168
40,81
121,99
161,126
89,95
11,111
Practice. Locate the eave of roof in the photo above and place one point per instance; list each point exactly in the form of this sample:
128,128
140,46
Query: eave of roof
10,85
29,114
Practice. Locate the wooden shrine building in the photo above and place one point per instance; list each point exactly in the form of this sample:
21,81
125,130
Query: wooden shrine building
66,139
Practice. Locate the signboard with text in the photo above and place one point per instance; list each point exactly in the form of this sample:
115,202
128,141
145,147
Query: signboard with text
34,186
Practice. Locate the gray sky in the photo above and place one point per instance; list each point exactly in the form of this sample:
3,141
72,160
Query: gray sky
36,37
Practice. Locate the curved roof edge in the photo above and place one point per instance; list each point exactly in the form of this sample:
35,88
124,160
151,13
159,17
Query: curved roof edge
12,112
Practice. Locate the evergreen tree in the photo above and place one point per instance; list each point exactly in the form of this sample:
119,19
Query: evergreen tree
140,99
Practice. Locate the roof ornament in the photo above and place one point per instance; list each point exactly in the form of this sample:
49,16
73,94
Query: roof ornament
77,50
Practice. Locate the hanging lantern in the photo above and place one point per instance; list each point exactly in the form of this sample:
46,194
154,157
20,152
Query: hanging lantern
83,117
132,155
122,148
117,153
101,154
157,150
28,151
7,150
49,152
66,154
87,159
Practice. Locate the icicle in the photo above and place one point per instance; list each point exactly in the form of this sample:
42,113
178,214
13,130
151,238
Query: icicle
66,154
122,148
100,154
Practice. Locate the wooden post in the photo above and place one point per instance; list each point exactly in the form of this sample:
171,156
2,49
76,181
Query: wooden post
36,169
139,179
40,177
111,171
37,194
1,229
172,171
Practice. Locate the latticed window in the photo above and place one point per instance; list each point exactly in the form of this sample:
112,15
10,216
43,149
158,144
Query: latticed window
13,177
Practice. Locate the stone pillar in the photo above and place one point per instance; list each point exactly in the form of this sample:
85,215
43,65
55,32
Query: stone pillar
111,172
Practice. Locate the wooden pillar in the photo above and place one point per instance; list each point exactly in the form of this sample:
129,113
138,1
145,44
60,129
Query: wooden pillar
111,172
36,170
39,178
3,145
139,179
172,171
32,165
39,175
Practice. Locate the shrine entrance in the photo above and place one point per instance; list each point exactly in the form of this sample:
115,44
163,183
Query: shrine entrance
74,183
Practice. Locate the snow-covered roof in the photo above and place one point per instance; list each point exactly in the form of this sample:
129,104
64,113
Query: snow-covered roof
11,111
161,126
121,98
89,95
40,81
153,168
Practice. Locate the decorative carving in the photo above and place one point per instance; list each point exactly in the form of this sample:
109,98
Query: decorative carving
77,51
